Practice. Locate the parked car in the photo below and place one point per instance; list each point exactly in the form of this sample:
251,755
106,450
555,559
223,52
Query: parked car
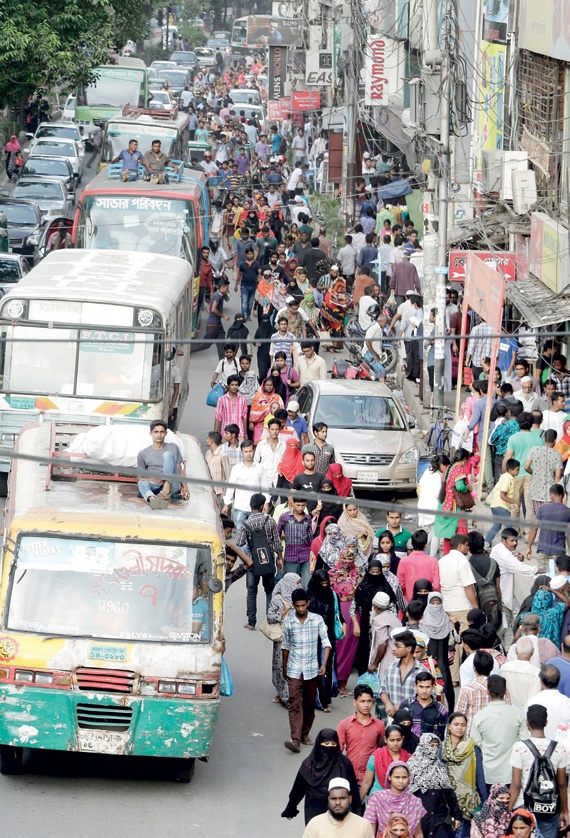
55,168
12,268
55,147
177,79
49,194
183,58
218,43
163,65
205,56
368,428
161,100
25,224
58,131
245,96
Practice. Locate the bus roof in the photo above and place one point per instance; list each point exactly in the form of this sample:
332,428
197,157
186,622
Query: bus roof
126,61
110,507
138,279
146,124
102,183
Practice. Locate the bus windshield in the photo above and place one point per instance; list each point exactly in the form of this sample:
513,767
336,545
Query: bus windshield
153,225
110,590
113,365
115,87
117,138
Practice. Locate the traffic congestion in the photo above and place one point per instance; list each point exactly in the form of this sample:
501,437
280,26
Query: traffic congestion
228,357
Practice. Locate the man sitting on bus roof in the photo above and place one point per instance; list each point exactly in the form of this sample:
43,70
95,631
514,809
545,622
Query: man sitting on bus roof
131,158
161,458
155,163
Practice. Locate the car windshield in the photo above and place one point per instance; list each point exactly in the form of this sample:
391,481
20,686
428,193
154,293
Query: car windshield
153,225
41,190
119,365
57,149
20,215
375,413
251,96
183,56
205,51
70,133
134,591
10,270
173,77
217,42
54,168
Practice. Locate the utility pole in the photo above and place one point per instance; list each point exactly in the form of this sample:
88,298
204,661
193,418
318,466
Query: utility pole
349,171
429,247
443,194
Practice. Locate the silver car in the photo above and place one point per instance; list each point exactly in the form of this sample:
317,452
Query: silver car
368,428
49,194
59,147
12,268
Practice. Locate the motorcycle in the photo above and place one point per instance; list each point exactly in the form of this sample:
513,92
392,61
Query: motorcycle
389,354
356,369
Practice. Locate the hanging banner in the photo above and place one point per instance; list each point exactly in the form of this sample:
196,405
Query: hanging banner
277,71
319,69
305,100
381,70
491,95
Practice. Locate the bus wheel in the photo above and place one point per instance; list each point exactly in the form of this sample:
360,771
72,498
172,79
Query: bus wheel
3,484
184,770
11,759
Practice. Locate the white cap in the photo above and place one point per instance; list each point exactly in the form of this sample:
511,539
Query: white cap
293,405
339,783
381,600
334,268
291,300
299,200
369,188
410,292
558,582
366,155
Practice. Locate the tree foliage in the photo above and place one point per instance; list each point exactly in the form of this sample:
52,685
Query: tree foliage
50,43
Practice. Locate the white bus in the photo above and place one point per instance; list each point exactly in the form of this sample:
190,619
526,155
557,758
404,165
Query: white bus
92,333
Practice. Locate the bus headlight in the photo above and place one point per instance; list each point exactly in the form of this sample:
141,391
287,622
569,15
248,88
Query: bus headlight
14,309
167,687
44,678
186,688
24,675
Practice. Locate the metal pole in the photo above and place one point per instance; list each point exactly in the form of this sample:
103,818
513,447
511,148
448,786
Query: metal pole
440,321
429,245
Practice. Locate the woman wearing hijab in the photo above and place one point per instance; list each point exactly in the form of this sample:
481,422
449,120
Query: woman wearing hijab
387,545
404,719
342,483
334,310
383,621
261,407
429,781
291,465
422,589
437,625
464,764
318,542
526,605
353,523
493,817
551,611
395,798
263,333
324,763
293,290
360,611
327,508
324,601
345,577
279,607
456,495
397,827
385,559
476,618
11,149
279,385
332,546
523,825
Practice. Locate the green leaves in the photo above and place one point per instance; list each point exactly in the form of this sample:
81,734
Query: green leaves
51,43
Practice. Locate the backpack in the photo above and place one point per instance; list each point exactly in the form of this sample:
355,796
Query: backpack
541,792
282,146
487,594
260,550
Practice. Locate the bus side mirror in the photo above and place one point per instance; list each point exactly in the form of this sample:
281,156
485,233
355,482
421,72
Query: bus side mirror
215,585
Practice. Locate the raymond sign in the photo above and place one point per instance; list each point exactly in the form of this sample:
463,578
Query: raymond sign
506,263
376,82
279,109
305,100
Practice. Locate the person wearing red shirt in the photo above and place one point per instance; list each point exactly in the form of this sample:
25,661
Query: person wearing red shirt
206,276
360,735
417,565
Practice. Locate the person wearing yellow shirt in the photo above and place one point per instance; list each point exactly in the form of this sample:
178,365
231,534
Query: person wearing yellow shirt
501,499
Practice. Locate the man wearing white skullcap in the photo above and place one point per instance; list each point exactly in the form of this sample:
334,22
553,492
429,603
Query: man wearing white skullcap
339,821
383,621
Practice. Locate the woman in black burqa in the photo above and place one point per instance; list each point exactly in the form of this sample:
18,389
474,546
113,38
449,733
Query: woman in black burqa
324,763
263,332
374,581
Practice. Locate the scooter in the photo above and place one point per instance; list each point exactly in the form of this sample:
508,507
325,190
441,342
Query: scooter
389,354
356,369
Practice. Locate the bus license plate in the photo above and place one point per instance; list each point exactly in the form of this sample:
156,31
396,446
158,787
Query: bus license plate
367,477
102,742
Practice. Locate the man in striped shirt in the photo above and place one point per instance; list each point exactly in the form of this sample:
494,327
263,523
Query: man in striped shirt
284,341
232,408
295,527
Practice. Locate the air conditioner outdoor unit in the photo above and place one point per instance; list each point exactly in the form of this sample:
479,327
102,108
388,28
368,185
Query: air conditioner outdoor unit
513,161
524,190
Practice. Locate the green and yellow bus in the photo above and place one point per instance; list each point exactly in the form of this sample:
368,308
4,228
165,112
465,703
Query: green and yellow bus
112,638
122,83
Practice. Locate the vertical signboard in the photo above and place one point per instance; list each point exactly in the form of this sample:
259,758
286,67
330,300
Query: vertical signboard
381,70
277,71
492,72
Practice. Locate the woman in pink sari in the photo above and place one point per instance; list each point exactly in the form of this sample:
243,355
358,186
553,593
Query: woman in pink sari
261,407
345,577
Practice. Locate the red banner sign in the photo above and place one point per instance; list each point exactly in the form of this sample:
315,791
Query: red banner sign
305,100
279,109
506,263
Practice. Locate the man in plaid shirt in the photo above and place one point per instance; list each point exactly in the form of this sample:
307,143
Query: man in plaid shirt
475,696
295,527
399,683
479,347
302,631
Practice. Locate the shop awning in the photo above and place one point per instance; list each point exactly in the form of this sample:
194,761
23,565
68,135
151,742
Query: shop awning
538,305
388,123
